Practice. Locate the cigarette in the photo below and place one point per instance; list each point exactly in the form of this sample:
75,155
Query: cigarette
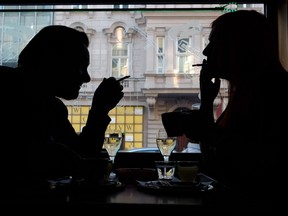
125,77
195,65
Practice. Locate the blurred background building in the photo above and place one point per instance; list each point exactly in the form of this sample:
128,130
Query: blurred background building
155,44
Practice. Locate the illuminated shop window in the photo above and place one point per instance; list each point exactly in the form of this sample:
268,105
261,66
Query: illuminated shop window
129,119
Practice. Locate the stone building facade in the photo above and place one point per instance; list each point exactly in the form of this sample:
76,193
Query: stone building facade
156,45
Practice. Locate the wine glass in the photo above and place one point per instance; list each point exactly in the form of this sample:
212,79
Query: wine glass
112,143
165,143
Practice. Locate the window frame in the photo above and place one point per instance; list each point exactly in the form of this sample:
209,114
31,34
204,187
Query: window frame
81,3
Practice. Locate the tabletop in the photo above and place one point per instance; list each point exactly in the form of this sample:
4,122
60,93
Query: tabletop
143,196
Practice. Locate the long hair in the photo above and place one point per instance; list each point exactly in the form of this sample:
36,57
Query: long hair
257,66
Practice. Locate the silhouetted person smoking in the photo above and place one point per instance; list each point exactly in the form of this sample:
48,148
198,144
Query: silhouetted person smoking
40,139
245,147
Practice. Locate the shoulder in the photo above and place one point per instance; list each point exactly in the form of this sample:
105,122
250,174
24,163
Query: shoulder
283,82
278,81
6,68
285,75
6,71
8,78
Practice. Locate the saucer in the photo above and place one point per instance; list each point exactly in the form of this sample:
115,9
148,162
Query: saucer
176,187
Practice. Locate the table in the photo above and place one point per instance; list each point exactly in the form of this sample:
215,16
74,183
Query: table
131,199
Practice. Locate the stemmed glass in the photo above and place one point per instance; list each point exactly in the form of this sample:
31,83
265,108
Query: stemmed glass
112,143
165,143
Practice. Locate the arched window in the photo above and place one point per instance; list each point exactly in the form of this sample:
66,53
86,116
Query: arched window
120,53
79,28
119,33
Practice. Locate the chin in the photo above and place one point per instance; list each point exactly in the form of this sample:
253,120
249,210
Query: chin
69,96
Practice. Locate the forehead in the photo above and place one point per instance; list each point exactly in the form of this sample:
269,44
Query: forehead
78,54
220,33
213,34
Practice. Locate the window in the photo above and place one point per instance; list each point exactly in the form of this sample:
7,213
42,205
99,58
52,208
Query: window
183,55
121,6
119,60
128,119
120,54
17,27
120,44
160,55
154,44
80,6
78,116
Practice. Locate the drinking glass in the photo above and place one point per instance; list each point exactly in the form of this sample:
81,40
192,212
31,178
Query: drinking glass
187,170
165,143
165,169
112,143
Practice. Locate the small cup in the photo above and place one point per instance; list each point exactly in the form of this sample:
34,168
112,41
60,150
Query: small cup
187,170
165,169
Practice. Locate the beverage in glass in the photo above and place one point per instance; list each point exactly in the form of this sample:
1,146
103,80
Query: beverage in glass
112,144
165,143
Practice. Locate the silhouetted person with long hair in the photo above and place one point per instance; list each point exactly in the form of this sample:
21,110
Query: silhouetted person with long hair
244,147
40,139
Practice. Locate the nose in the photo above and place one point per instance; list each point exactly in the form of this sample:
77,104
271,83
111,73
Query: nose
206,50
